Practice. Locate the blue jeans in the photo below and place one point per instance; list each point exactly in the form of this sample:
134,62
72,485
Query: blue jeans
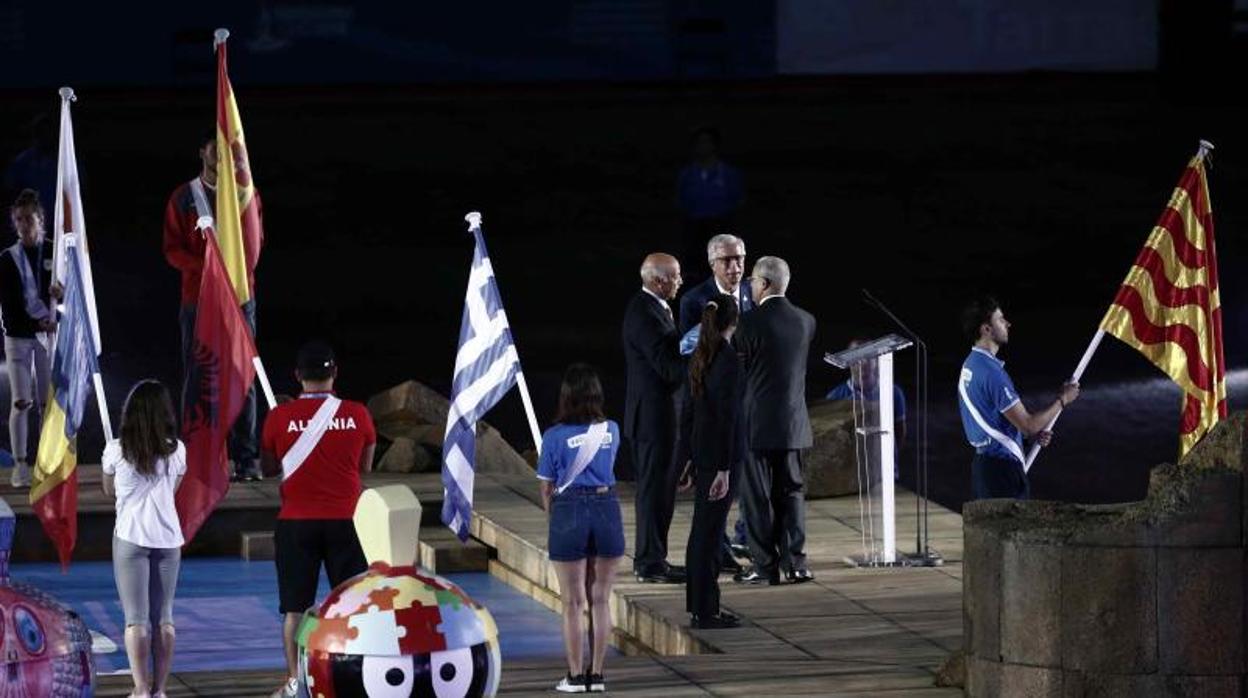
585,522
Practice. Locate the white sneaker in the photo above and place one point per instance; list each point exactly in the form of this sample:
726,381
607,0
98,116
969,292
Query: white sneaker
21,475
289,690
571,684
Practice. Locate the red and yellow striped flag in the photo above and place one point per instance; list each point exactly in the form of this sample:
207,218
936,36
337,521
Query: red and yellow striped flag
1168,307
238,226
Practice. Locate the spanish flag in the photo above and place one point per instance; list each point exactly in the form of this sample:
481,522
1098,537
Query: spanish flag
54,491
238,225
1169,310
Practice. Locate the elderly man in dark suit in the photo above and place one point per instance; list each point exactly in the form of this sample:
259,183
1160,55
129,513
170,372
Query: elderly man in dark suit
726,255
654,372
774,341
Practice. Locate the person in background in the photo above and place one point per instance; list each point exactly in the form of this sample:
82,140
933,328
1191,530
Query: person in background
993,415
142,470
27,295
708,192
319,445
712,425
868,388
586,539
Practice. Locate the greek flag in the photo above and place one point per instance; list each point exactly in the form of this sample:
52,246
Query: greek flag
485,369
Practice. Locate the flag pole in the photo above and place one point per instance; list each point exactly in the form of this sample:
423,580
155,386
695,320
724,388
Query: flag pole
1202,151
474,227
263,377
1074,378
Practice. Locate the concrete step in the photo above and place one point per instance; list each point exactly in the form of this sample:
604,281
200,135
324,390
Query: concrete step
441,552
256,545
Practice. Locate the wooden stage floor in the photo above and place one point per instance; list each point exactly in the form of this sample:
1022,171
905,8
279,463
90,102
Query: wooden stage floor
851,632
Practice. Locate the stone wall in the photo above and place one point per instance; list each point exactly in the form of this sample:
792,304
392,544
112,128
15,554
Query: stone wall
1139,599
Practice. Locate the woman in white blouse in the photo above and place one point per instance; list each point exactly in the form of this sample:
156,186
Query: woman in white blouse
143,470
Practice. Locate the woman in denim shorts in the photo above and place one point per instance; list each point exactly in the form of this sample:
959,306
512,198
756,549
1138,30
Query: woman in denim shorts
586,533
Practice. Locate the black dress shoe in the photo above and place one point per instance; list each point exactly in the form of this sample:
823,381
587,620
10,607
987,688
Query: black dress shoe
670,575
717,621
753,577
740,550
799,575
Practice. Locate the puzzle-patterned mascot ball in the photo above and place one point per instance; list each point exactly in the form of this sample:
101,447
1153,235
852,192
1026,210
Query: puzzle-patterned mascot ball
45,648
397,631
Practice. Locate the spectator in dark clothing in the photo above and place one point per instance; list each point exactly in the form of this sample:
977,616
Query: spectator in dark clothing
708,191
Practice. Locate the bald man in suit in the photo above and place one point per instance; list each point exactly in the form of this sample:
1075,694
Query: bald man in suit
655,371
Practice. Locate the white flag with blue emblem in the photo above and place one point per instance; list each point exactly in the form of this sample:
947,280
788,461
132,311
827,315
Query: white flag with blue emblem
486,367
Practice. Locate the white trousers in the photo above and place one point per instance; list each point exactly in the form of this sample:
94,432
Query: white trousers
29,375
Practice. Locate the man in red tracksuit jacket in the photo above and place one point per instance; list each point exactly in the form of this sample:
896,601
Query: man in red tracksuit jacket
184,249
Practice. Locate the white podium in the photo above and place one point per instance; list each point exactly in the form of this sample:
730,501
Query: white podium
871,378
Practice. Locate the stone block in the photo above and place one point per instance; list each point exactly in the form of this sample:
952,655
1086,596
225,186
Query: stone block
405,456
443,553
832,462
1201,508
1109,610
1002,680
981,593
1222,448
1200,610
256,545
1031,604
414,411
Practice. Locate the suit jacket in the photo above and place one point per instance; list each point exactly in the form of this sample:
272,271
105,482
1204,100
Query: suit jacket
712,426
774,342
694,300
654,370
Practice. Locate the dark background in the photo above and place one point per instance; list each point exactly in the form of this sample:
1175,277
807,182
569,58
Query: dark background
1024,148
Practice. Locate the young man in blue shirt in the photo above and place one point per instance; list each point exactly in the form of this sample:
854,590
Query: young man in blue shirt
993,415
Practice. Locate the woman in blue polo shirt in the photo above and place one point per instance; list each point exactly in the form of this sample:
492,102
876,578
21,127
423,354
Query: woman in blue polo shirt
586,532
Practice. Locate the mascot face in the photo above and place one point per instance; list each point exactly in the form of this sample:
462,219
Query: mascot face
45,649
395,632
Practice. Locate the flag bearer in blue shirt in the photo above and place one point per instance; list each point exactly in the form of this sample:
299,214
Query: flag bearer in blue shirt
993,415
586,532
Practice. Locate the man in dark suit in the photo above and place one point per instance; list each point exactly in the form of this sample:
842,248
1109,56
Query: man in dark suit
726,255
774,341
654,372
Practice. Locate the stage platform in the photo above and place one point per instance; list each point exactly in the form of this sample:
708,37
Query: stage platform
247,507
854,632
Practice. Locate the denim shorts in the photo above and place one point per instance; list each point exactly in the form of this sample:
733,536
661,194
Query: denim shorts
585,522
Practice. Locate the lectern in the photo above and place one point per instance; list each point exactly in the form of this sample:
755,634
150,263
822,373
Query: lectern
871,380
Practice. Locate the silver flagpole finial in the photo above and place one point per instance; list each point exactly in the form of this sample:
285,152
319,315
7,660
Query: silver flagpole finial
1205,147
474,221
67,93
219,37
